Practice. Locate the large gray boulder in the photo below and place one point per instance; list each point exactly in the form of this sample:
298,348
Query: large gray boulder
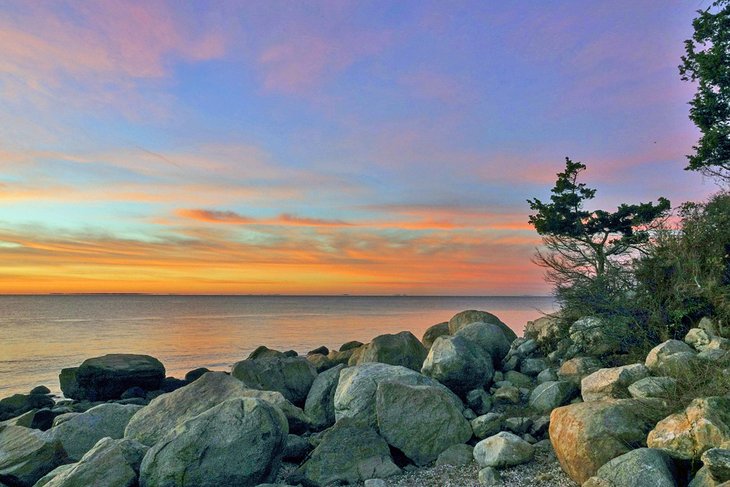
398,349
292,376
421,421
596,336
79,432
110,463
238,442
503,450
612,382
169,411
355,393
660,362
686,435
433,332
459,364
489,337
587,435
550,395
320,403
659,387
349,452
464,318
107,377
26,455
643,467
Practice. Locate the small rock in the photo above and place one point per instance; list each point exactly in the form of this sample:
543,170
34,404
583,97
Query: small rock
507,395
659,387
533,366
489,477
319,350
612,382
549,395
196,374
575,369
486,425
517,425
351,345
479,401
547,375
503,450
40,390
518,379
296,448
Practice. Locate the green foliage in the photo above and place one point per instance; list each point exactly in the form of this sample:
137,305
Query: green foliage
582,244
686,275
707,62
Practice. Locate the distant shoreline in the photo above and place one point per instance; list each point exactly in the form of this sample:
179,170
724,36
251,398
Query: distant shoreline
290,295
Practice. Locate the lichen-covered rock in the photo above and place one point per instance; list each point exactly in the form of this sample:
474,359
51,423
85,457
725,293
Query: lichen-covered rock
717,461
421,421
543,329
587,435
26,455
291,376
596,336
107,377
349,452
398,349
518,379
110,463
658,387
547,375
238,442
355,393
464,318
549,395
657,360
488,337
698,338
612,382
533,366
433,332
704,424
642,467
320,403
458,364
79,432
486,425
503,450
575,369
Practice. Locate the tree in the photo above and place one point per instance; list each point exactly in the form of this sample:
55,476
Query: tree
582,245
707,62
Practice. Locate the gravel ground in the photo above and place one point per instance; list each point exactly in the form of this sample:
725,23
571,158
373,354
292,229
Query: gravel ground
543,471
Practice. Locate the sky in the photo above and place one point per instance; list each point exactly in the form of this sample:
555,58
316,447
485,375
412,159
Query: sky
324,147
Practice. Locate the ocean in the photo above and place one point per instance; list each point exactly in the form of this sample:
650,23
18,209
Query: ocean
40,335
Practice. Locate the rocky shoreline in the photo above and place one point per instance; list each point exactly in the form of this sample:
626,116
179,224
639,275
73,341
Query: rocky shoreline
468,404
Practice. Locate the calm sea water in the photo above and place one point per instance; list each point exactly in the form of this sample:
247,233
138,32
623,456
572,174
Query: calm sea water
39,335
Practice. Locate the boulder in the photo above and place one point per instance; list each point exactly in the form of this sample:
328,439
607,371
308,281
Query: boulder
518,425
547,375
296,449
79,432
642,467
17,404
549,395
351,345
464,318
596,336
110,463
458,364
486,425
714,327
321,350
349,452
717,461
264,352
26,455
399,349
533,366
320,403
575,369
518,379
320,362
503,450
506,395
169,411
238,442
704,424
42,390
421,421
656,360
479,401
341,357
612,382
456,455
658,387
196,374
107,377
291,376
698,338
489,337
543,329
703,478
587,435
433,332
355,393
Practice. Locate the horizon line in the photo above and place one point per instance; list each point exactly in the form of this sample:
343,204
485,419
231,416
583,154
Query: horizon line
392,295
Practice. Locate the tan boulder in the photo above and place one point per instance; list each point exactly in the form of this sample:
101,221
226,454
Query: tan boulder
587,435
